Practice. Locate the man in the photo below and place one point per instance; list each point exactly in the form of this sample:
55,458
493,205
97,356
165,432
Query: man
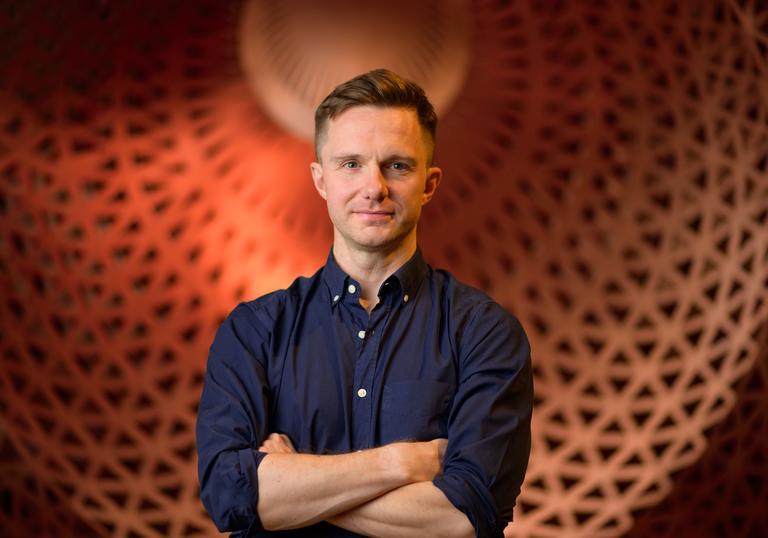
380,396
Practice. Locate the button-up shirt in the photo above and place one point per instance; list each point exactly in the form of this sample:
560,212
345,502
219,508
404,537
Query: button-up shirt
434,358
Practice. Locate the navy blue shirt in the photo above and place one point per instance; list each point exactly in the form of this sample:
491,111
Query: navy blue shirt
435,358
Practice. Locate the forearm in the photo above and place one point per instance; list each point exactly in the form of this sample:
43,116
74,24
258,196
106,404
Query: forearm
418,509
296,490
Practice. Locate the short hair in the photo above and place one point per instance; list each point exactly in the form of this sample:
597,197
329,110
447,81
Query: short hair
382,88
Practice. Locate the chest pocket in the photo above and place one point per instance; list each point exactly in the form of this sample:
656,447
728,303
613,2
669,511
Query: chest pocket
414,411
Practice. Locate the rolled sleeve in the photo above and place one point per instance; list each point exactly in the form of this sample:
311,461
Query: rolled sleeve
489,425
232,422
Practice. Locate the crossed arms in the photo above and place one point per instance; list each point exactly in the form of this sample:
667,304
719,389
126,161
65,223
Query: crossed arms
251,480
385,491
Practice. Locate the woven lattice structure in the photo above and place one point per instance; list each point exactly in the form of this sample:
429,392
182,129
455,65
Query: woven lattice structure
607,180
724,493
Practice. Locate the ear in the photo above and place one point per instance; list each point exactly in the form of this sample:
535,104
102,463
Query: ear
434,175
317,178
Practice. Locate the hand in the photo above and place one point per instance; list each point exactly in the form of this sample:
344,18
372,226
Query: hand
277,443
420,461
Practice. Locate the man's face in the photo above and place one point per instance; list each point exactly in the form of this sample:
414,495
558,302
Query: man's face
373,174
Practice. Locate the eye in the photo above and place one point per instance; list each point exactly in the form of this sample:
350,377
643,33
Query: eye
399,166
350,164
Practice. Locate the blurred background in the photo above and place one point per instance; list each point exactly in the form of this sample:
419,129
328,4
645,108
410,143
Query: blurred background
606,179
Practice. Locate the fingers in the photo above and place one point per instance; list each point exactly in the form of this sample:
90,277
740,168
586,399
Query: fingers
287,441
277,443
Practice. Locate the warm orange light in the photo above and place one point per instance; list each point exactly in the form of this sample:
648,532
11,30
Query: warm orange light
606,179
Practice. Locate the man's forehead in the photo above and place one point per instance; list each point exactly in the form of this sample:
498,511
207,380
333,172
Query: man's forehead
369,115
356,128
361,125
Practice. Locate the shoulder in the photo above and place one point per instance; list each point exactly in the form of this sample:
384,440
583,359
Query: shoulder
472,313
465,301
258,318
275,303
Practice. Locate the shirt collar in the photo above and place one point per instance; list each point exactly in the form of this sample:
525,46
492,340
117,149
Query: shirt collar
334,278
410,276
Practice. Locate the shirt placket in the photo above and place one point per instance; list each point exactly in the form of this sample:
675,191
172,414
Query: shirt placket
367,335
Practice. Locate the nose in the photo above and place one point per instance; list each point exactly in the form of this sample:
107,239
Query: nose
375,187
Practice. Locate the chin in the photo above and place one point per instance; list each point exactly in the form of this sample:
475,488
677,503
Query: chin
370,240
374,245
377,238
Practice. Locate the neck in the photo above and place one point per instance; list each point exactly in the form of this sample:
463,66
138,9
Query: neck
370,268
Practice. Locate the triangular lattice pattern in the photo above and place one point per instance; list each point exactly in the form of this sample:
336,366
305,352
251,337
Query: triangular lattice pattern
606,179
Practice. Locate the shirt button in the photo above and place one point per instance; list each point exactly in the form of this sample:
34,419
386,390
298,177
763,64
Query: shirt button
362,393
335,298
405,298
361,335
351,288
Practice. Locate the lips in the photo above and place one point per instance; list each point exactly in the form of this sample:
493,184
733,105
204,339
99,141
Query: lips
373,212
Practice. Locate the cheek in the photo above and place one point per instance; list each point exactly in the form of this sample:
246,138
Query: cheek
413,200
337,201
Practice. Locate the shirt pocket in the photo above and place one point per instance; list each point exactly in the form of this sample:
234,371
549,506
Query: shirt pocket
414,411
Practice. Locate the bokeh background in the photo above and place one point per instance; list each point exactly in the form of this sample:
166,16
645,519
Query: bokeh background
606,180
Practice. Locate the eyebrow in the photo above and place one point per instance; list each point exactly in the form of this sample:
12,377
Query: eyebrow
408,160
337,160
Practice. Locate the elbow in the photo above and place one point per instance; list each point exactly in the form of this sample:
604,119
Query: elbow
208,497
229,498
227,519
224,517
221,517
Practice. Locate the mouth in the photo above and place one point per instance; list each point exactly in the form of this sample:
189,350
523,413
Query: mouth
373,214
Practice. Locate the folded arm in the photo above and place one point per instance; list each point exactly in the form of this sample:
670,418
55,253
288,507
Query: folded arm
245,486
297,490
489,442
418,509
379,491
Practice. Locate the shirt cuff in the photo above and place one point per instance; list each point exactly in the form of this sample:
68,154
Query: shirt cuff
231,495
470,496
